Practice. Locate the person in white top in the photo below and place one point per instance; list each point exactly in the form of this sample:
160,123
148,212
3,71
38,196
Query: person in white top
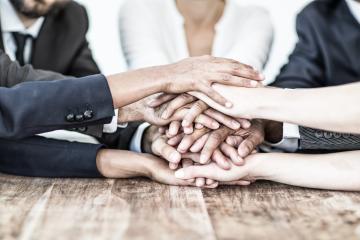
155,32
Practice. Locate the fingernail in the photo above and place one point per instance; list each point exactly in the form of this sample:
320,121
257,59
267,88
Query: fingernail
203,159
180,174
188,130
215,125
247,125
235,124
185,123
198,184
228,105
175,157
226,165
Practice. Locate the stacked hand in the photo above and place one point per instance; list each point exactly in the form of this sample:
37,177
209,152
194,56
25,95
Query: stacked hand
186,132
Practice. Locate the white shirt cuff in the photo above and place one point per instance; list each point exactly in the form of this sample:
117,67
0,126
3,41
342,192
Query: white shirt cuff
112,127
135,144
290,140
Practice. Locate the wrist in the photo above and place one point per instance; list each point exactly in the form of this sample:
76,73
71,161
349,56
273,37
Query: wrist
120,164
130,113
256,166
148,138
273,131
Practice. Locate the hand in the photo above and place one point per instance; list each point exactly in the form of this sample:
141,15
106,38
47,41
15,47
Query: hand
196,109
141,111
162,148
199,73
213,171
124,164
247,140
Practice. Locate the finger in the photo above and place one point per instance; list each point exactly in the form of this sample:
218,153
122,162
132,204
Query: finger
174,141
245,71
178,102
234,141
161,148
187,163
196,172
196,109
160,99
189,140
214,185
188,130
249,144
224,119
214,95
209,181
237,183
200,182
228,79
173,129
207,122
231,153
194,157
199,144
213,142
199,126
221,160
173,166
246,124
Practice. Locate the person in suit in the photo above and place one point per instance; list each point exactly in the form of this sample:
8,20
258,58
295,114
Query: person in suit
49,35
90,101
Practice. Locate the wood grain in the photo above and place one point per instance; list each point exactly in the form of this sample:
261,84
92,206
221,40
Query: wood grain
40,209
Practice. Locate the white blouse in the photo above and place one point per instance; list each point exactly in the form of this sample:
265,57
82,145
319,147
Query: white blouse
152,33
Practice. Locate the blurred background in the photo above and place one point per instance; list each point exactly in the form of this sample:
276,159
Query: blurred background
105,41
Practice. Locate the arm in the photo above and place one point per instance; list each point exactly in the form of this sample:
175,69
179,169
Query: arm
321,108
42,157
338,171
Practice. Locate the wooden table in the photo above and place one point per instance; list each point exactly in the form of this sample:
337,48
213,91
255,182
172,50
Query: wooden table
139,209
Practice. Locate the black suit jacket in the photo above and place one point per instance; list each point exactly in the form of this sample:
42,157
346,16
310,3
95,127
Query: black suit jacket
61,45
327,54
35,107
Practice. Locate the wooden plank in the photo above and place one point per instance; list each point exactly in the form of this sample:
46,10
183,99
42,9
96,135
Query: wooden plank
100,209
274,211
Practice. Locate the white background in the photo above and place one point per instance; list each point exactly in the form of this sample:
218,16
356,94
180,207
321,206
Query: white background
105,42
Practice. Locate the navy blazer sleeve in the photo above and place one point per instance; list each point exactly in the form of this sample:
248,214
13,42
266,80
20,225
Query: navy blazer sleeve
37,107
42,157
305,68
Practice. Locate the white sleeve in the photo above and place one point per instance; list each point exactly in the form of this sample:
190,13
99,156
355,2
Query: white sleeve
290,140
135,143
254,48
141,34
112,127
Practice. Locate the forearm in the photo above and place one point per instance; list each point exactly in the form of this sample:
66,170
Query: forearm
338,171
326,108
135,85
121,164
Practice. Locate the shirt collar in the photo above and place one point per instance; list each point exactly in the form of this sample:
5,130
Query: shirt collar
354,7
10,22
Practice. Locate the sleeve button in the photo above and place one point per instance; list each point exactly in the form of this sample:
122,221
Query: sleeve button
70,117
79,118
88,114
82,129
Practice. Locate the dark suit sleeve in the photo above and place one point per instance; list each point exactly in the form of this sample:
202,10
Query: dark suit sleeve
35,107
314,139
42,157
83,63
305,68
